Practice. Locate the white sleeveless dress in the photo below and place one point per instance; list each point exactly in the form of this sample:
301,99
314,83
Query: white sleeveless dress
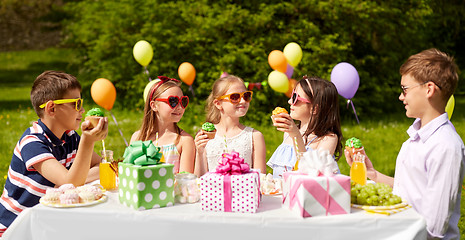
241,143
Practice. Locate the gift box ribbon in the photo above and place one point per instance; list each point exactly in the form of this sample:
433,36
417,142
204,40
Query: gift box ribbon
142,153
232,164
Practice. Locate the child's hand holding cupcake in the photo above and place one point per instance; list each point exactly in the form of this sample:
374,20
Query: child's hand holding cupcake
209,129
277,111
93,116
207,132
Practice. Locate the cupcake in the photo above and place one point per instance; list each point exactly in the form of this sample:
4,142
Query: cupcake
93,116
66,187
209,129
278,110
69,197
86,196
52,195
96,191
354,146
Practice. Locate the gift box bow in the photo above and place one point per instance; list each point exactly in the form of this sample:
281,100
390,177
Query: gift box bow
232,164
142,153
318,163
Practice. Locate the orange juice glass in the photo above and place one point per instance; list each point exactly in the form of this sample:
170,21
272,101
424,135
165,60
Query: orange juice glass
107,175
358,170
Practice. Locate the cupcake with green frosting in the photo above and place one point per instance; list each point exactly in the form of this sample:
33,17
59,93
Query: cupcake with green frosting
209,129
93,116
354,145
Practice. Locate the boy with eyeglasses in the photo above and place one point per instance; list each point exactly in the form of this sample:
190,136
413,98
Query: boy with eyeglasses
430,165
51,153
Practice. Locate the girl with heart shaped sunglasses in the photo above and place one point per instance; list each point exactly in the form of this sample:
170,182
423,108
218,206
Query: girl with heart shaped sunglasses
164,108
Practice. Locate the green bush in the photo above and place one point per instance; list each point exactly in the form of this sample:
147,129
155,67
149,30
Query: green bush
237,36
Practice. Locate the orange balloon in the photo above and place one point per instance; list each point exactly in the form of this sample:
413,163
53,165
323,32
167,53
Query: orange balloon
186,72
292,83
104,93
277,61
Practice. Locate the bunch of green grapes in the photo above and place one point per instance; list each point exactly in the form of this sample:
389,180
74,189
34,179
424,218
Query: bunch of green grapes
378,194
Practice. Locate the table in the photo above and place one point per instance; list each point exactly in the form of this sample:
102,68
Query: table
112,220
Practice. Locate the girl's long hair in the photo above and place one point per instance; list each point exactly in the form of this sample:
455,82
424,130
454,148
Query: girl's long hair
325,108
150,121
220,87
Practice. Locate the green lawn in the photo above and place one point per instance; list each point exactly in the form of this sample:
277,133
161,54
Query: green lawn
382,136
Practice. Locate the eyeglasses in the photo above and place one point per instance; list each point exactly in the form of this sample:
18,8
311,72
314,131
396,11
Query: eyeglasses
162,79
295,97
173,101
404,88
236,97
77,103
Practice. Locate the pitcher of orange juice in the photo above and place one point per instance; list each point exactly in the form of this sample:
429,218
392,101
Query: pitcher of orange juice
358,170
107,175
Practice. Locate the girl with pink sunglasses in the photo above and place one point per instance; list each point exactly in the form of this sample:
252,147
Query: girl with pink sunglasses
314,104
164,108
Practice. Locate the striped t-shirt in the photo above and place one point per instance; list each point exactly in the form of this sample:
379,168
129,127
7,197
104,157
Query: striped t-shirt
24,186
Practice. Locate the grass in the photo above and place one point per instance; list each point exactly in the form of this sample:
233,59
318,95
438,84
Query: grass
382,136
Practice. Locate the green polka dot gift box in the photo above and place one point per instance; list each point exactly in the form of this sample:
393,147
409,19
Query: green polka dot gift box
146,187
144,183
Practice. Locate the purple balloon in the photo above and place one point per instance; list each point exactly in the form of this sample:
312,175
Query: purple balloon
345,78
289,71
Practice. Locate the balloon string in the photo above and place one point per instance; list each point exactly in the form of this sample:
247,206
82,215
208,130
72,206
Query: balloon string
147,72
192,91
353,108
120,132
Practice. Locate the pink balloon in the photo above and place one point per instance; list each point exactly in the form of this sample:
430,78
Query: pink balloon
345,78
289,71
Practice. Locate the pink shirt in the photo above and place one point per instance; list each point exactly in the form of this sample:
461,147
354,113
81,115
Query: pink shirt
429,173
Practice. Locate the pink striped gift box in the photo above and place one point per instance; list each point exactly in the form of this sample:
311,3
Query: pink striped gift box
316,196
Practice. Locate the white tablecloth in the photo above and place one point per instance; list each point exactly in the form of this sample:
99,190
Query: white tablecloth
111,220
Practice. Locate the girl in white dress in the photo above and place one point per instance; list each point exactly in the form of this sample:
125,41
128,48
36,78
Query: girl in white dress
228,101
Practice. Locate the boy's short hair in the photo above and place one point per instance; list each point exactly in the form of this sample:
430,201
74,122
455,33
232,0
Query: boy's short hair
51,85
434,66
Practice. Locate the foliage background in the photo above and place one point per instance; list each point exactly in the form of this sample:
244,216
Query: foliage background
237,36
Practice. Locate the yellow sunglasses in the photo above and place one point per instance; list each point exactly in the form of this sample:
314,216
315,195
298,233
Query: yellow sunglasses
78,103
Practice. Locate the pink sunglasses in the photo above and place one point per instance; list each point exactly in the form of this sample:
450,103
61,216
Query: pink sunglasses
296,97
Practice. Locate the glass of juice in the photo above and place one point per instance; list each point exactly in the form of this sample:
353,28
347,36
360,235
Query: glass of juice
107,175
358,170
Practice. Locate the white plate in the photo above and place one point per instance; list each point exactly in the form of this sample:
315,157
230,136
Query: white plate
59,205
368,207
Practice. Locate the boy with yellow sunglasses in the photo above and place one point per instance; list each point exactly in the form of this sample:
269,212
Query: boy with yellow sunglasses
50,153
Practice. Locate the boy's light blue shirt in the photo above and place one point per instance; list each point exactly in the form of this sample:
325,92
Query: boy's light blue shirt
429,173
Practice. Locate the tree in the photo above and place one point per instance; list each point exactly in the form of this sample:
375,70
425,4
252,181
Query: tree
237,36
